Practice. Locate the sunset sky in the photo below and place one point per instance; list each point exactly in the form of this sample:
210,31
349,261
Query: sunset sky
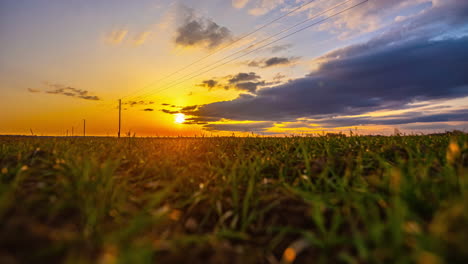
244,66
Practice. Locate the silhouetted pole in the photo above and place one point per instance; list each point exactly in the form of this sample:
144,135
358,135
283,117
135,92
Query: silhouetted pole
120,116
84,127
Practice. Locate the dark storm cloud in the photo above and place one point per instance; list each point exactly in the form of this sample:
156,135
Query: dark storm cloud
70,91
359,81
200,31
274,61
418,59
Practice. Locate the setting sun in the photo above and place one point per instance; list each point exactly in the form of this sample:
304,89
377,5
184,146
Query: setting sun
179,118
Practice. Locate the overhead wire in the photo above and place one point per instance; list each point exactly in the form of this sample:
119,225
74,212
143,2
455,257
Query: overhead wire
261,47
215,51
255,44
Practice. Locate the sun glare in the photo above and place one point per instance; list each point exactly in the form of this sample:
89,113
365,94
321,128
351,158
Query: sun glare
179,118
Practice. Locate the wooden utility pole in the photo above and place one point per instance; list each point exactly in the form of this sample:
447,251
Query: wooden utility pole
120,116
84,127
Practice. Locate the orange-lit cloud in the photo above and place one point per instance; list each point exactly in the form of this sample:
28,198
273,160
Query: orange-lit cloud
239,3
141,38
116,37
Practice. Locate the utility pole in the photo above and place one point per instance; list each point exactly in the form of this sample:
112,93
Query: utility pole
84,127
120,116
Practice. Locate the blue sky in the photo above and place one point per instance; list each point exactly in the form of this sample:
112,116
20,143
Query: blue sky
382,65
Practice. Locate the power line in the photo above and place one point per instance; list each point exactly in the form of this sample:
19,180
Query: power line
249,47
268,44
225,47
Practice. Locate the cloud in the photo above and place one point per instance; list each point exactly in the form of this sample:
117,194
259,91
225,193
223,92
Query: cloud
210,84
197,31
136,103
70,91
273,61
279,48
278,78
189,108
357,80
33,90
245,82
141,38
170,111
242,77
250,87
116,37
239,3
148,109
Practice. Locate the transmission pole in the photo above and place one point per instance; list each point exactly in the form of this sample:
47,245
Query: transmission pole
84,127
120,116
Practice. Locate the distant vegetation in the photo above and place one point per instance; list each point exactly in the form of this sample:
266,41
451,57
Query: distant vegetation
331,199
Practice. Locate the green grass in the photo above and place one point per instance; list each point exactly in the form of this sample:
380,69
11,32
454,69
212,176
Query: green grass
399,199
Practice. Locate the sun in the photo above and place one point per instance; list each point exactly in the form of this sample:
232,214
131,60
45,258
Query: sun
179,118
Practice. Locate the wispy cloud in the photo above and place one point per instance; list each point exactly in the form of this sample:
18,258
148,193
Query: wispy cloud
69,91
239,3
116,37
141,38
137,103
264,6
33,90
279,48
273,61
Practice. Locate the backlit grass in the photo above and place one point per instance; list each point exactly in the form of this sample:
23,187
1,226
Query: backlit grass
399,199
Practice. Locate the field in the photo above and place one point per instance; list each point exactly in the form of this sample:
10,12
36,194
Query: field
329,199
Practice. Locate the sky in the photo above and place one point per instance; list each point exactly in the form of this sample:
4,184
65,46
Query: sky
218,67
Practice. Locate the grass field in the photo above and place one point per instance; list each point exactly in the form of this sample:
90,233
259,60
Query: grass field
358,199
